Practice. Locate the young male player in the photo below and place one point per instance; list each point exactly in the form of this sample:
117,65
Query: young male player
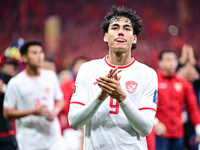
115,97
34,99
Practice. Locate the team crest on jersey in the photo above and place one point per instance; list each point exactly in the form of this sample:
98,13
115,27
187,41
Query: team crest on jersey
47,90
75,89
131,86
178,86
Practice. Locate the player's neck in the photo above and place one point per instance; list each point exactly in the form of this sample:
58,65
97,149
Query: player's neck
32,71
119,59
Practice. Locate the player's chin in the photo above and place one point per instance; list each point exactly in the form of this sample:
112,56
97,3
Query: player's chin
39,65
121,49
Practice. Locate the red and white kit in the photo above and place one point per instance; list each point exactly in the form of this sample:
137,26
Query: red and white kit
113,125
24,93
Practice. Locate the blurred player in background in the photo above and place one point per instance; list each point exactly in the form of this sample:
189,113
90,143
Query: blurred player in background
34,99
10,67
115,97
49,64
73,139
173,93
64,75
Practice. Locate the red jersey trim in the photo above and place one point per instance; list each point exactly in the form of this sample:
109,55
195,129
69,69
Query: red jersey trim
7,133
147,108
77,103
120,67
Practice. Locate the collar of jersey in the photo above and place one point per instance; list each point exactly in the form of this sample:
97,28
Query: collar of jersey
32,76
119,67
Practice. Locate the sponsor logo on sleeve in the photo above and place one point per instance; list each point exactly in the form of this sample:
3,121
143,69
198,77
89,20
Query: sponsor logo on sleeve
155,96
131,86
75,89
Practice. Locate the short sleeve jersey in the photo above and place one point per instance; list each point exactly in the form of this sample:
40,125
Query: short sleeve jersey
24,93
109,127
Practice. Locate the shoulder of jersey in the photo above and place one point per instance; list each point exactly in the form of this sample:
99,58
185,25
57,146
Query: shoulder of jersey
182,79
91,63
48,72
145,67
18,78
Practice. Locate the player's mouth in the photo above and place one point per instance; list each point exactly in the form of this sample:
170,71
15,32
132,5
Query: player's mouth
120,39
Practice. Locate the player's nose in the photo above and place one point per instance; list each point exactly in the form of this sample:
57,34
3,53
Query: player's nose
121,32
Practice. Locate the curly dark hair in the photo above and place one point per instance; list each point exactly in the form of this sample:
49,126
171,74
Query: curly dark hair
116,12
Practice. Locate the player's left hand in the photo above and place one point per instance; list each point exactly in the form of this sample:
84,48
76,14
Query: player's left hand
50,115
103,94
112,86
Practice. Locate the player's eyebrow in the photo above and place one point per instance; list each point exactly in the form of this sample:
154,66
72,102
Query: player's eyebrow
115,24
125,25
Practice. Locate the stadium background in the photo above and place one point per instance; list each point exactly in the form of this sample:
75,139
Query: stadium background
71,28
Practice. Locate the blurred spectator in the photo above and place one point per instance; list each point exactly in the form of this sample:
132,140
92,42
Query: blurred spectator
76,65
64,75
10,67
189,70
173,92
34,99
73,139
7,133
49,64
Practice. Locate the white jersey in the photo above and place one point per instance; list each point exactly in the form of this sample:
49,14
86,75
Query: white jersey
24,93
109,128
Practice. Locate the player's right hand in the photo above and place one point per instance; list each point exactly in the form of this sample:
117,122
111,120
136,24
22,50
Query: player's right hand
160,129
111,74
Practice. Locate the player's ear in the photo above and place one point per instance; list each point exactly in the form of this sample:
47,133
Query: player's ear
24,59
105,38
134,39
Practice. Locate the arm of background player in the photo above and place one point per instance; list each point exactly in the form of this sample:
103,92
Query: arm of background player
10,102
80,115
50,115
10,113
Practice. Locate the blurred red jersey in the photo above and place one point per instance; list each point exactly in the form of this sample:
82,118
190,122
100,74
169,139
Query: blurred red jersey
173,93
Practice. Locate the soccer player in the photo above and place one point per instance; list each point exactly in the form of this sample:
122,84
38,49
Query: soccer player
115,97
34,99
173,93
